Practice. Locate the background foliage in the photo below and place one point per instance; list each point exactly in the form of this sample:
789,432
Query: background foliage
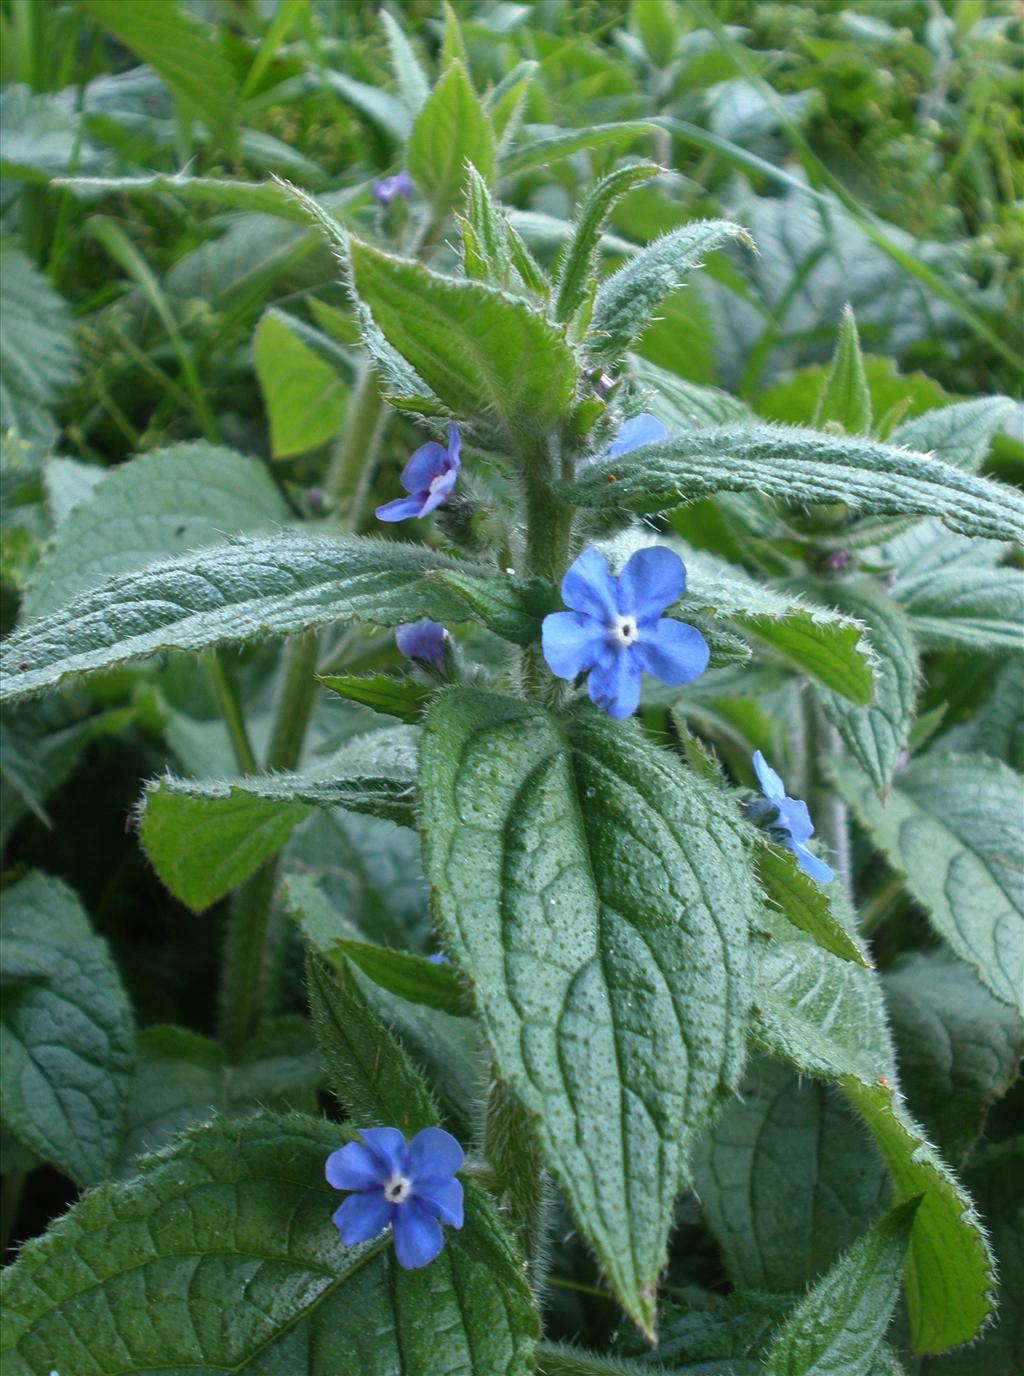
189,815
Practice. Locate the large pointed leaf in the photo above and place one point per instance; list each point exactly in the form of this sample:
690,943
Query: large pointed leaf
959,434
972,608
163,503
230,1230
804,467
484,353
952,826
839,1326
242,591
66,1033
573,866
450,130
37,357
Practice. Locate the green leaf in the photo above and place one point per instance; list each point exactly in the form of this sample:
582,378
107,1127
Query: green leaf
950,826
267,198
829,646
397,697
806,904
181,1078
378,107
969,607
37,358
845,397
786,1180
484,353
626,301
204,836
959,1047
183,51
303,395
236,592
412,978
579,263
487,231
367,1068
839,1326
234,1219
68,482
184,497
570,864
542,152
960,434
877,734
802,467
450,130
997,726
67,1031
412,83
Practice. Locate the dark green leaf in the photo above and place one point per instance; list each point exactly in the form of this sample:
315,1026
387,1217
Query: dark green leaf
571,864
806,904
413,978
37,358
396,697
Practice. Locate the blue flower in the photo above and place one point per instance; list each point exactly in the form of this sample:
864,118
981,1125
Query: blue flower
421,640
642,429
615,629
385,191
439,958
411,1186
790,823
428,477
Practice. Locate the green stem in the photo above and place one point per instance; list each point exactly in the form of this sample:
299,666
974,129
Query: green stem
351,469
231,711
10,1199
511,1150
829,812
878,907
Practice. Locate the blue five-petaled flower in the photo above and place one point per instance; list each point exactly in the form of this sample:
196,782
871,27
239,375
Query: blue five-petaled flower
791,824
421,640
641,429
428,477
410,1186
615,629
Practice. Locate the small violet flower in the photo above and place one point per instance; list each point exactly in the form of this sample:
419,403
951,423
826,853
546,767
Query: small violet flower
421,640
615,629
642,429
789,822
411,1186
385,191
428,477
439,958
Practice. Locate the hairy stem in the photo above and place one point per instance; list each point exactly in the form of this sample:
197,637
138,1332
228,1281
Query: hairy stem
351,469
231,712
828,811
511,1151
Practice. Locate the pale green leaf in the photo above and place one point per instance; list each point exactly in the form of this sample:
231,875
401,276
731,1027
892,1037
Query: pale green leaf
959,1047
997,726
837,1329
802,467
303,395
37,357
951,826
233,1221
412,83
571,864
971,608
451,129
68,482
626,301
378,107
184,497
218,193
960,434
487,355
66,1033
241,591
537,151
845,397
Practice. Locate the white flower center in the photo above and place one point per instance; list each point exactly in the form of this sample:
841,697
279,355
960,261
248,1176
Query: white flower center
434,481
623,631
398,1189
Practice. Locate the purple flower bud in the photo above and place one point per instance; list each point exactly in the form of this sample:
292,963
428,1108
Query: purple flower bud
838,560
385,191
421,640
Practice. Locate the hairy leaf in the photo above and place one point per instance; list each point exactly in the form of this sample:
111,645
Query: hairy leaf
951,827
486,354
66,1033
396,697
231,1227
806,904
571,865
542,152
845,397
839,1326
237,592
971,608
450,130
411,977
37,358
803,467
960,434
184,497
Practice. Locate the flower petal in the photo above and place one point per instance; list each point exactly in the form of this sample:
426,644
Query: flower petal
430,460
388,1145
652,580
442,1198
794,818
421,640
614,683
418,1236
808,861
401,509
354,1167
433,1153
454,445
642,429
571,643
363,1216
588,587
672,651
771,785
440,491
